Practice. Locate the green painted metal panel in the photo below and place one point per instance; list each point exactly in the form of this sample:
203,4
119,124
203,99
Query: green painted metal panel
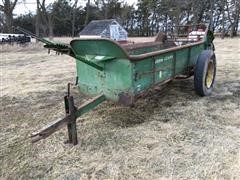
182,60
117,78
97,47
142,78
151,71
89,79
164,67
195,51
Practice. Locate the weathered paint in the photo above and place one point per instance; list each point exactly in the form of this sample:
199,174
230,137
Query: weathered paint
119,74
105,69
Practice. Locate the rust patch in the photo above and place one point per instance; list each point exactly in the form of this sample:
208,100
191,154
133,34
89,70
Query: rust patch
126,99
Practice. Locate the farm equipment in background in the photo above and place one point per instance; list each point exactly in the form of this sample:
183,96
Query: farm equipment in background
107,70
14,38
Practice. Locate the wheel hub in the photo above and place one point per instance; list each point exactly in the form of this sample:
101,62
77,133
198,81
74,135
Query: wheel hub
210,74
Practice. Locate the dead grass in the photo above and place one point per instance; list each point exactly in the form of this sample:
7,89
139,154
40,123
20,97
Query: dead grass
175,135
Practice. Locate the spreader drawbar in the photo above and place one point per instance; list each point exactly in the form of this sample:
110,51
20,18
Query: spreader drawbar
72,113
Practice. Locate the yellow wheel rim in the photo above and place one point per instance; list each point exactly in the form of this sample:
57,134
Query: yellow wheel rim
210,74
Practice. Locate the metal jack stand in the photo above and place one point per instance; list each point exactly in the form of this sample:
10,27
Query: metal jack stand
70,110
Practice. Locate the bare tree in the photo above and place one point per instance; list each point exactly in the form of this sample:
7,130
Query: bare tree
74,7
47,17
212,2
37,23
1,21
7,8
87,13
105,7
223,18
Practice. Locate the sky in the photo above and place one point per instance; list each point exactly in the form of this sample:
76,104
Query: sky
30,5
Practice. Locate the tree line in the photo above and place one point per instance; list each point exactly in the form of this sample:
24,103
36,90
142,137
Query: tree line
68,18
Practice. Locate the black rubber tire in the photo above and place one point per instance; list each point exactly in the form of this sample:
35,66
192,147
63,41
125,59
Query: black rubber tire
200,72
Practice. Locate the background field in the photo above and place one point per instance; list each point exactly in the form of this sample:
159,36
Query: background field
170,135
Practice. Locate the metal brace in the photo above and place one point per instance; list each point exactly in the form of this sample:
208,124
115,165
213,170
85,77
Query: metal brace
70,110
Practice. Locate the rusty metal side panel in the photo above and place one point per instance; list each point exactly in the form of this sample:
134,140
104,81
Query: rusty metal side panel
152,71
159,68
113,81
102,68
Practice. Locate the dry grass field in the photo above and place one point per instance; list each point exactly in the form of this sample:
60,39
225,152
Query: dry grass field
170,135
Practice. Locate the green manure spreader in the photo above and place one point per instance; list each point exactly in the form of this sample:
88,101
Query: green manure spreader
122,72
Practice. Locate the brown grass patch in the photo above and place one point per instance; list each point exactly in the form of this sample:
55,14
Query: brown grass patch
175,135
